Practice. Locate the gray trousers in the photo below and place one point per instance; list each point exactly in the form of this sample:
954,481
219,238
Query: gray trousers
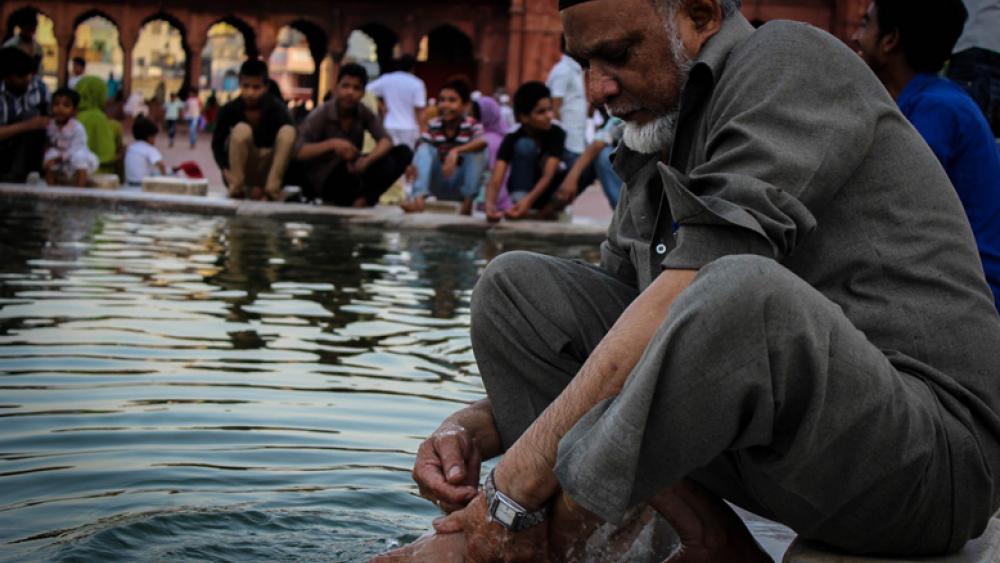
756,386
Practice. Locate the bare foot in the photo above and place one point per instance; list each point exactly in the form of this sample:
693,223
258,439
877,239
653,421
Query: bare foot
466,206
415,205
360,203
708,528
433,548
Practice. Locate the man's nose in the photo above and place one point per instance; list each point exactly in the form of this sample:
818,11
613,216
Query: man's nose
601,85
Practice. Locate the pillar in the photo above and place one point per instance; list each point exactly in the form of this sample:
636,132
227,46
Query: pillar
195,46
515,45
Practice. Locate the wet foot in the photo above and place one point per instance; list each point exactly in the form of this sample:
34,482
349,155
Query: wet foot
433,548
708,529
466,207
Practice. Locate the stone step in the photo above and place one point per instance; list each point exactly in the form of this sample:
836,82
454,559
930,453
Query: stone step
175,185
984,549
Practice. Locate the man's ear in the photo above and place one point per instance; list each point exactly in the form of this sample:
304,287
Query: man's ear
702,19
889,43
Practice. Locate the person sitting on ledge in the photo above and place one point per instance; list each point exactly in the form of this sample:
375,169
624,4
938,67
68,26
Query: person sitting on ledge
142,158
534,156
67,161
451,157
23,105
253,138
331,166
789,314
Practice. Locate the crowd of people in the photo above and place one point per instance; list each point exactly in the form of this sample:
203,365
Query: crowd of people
529,160
459,149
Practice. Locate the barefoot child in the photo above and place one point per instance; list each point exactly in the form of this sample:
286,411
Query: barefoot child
533,154
67,161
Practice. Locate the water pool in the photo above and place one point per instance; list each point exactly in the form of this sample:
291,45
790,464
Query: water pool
200,388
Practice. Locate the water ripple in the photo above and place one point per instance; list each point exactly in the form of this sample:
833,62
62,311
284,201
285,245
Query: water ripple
182,387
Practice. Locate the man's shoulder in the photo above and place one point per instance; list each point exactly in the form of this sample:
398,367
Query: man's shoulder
794,45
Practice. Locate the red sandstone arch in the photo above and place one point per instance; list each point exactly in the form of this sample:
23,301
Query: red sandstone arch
451,53
245,29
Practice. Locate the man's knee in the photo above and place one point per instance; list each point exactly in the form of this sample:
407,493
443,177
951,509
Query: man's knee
738,286
286,134
504,273
241,133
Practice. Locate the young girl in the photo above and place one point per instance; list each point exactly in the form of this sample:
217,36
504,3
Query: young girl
67,161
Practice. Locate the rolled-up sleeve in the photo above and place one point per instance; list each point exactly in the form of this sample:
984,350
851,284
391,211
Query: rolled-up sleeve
776,154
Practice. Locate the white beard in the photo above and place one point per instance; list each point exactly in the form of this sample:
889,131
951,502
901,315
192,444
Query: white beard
651,137
657,135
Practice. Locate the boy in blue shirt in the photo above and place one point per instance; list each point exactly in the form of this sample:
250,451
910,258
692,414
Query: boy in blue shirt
906,43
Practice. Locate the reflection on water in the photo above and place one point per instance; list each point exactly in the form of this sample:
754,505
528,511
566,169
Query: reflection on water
182,387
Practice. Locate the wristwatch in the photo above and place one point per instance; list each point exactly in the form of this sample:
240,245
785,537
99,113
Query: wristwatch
507,512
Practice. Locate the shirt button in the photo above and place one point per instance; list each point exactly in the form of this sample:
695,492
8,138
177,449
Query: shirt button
661,248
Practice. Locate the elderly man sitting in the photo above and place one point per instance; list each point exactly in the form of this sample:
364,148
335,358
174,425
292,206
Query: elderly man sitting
789,314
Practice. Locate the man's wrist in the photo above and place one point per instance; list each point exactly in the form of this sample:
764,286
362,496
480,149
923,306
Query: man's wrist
529,486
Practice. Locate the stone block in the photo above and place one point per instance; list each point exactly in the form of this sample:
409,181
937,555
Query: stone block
443,207
175,186
984,549
106,181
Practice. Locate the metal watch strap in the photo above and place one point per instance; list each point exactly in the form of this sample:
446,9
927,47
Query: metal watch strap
523,519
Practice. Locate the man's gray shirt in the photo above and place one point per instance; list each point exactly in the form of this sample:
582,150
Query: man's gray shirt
788,147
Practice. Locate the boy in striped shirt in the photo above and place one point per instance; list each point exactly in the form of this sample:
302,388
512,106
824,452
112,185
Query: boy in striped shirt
451,157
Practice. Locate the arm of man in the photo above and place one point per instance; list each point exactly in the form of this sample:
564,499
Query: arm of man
557,104
475,145
493,190
14,129
223,127
601,377
570,186
311,142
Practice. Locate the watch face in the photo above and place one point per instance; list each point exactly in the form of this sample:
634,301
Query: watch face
505,514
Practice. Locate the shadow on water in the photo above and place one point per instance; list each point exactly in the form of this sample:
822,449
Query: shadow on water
190,387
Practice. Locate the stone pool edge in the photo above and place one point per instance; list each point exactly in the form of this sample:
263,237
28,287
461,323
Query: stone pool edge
382,217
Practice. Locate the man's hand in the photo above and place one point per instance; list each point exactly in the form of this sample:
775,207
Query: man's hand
37,123
489,541
447,467
567,191
344,148
520,210
360,165
450,163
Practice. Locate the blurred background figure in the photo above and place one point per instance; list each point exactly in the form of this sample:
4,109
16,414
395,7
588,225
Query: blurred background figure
975,63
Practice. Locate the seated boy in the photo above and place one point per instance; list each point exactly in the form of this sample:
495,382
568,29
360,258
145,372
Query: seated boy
67,160
451,155
533,154
23,105
142,159
253,138
328,149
